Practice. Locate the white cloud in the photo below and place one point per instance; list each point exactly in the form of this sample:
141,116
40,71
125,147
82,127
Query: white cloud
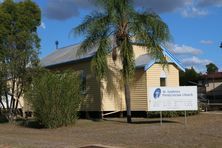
199,68
195,8
192,11
187,55
206,42
161,6
195,61
42,25
66,9
183,49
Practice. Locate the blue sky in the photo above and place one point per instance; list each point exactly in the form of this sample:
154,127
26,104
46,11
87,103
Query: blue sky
195,26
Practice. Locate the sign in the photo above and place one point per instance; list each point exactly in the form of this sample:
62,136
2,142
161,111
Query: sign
172,98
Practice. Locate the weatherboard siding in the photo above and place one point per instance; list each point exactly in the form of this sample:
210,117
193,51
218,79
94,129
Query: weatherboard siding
138,51
173,76
112,92
138,87
139,84
153,76
108,95
139,91
154,72
92,101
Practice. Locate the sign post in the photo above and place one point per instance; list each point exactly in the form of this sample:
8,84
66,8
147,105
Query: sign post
161,118
173,99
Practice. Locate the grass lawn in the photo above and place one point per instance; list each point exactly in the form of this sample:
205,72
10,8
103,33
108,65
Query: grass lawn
203,130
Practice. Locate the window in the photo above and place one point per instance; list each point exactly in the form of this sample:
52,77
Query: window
162,81
83,82
163,78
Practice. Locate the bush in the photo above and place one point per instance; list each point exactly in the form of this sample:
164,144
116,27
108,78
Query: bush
55,98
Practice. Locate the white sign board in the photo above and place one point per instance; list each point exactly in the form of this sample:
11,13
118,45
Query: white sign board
172,98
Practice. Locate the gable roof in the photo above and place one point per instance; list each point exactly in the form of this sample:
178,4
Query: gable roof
65,55
69,54
142,60
172,59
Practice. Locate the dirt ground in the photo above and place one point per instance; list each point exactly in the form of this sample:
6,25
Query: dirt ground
203,130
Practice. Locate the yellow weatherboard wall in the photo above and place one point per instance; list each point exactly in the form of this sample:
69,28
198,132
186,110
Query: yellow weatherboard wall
113,98
108,94
112,93
153,76
139,91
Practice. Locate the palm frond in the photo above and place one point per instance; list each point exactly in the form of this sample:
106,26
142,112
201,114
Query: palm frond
90,22
99,62
148,25
129,27
94,27
148,30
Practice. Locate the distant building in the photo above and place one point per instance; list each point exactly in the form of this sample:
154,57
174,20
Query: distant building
213,85
108,95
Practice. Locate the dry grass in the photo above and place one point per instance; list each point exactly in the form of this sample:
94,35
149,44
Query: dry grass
203,130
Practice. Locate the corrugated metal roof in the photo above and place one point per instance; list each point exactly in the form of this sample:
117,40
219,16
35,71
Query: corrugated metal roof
173,58
69,54
143,60
64,55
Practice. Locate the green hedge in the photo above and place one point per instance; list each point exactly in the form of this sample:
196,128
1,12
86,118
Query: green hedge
55,98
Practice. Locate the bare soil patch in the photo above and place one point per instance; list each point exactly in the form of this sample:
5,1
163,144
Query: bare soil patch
203,130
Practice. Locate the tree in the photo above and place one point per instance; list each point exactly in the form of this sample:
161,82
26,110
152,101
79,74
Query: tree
189,76
19,48
211,68
128,27
55,98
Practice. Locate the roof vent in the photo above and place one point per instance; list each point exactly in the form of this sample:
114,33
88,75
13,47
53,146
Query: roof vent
57,44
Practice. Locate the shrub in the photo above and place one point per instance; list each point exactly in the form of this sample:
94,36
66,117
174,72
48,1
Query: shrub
55,98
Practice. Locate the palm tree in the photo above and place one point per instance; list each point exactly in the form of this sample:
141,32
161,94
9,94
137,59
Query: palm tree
128,27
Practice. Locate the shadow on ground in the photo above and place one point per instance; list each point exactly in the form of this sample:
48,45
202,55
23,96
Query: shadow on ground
31,123
142,121
3,119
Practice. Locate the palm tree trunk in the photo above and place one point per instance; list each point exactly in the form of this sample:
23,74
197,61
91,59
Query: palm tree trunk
128,102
